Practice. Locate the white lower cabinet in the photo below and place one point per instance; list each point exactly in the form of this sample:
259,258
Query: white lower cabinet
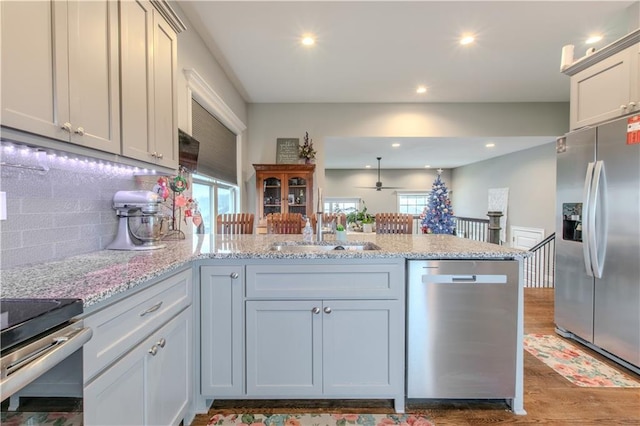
222,332
302,329
148,386
333,348
138,366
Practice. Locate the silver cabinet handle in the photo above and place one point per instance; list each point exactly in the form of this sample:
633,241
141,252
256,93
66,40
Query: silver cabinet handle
632,105
67,126
234,275
159,155
623,107
327,310
316,310
154,350
80,131
152,309
162,342
154,154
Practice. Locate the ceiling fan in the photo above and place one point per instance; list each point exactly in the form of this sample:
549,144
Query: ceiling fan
379,186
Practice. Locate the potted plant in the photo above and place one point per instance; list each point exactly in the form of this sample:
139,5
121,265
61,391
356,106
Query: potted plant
306,151
359,218
341,233
367,224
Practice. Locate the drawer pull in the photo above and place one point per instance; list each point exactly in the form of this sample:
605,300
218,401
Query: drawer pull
162,342
154,350
152,309
234,275
316,310
327,310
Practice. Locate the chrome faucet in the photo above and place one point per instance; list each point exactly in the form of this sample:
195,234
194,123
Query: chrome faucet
319,234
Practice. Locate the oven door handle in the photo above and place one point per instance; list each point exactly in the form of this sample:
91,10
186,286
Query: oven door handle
45,360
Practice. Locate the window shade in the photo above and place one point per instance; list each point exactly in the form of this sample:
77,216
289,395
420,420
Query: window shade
217,157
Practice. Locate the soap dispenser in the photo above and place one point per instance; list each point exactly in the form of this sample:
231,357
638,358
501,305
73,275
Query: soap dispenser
307,232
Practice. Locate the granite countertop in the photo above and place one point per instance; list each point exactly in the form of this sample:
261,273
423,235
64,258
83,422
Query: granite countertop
97,276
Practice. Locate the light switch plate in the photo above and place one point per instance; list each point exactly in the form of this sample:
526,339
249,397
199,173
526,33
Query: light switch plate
3,205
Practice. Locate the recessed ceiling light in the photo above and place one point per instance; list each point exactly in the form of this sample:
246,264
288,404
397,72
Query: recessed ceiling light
308,40
490,145
421,89
427,166
368,166
395,144
467,39
593,39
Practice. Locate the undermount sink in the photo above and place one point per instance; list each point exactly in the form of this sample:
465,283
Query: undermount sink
295,247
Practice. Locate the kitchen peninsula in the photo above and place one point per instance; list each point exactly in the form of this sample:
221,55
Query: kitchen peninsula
240,308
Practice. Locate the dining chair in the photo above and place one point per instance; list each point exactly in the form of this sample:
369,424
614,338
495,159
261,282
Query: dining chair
235,223
335,218
284,223
394,223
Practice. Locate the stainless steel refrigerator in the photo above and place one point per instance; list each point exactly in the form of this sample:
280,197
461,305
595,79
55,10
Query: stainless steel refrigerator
597,288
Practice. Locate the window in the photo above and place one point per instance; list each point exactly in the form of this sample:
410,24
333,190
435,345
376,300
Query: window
214,197
413,203
218,153
341,205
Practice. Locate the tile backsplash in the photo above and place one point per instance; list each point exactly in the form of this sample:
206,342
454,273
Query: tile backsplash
59,212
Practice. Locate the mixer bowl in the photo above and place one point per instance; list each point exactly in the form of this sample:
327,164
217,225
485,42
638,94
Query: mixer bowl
147,228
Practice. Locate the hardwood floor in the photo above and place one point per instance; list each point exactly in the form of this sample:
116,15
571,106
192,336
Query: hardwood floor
549,398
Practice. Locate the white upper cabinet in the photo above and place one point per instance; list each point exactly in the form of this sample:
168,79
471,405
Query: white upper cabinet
149,62
606,84
605,90
60,71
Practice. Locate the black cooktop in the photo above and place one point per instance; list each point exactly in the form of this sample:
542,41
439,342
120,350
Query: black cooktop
24,319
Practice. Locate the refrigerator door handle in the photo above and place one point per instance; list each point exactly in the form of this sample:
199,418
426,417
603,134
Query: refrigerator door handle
598,219
586,217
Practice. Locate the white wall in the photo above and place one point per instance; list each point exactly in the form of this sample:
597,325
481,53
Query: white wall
194,54
348,183
267,122
530,176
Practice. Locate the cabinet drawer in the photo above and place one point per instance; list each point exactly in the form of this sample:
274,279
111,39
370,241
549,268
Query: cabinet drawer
381,280
117,328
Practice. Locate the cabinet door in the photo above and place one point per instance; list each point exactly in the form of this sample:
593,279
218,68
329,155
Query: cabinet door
602,91
143,388
60,71
117,396
164,91
169,372
94,102
221,333
363,348
136,43
35,93
298,192
273,193
284,348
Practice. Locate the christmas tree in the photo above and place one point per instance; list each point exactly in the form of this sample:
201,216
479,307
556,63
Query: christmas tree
437,217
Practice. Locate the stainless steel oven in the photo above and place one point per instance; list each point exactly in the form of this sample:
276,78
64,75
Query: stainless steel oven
38,336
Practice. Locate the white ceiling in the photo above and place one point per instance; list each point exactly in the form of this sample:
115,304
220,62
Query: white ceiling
380,51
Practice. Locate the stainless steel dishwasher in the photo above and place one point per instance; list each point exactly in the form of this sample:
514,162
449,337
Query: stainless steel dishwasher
462,329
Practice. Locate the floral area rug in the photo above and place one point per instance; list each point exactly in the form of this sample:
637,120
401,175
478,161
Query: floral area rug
19,418
319,420
573,364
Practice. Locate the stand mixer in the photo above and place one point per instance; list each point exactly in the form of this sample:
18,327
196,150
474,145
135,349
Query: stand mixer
139,223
